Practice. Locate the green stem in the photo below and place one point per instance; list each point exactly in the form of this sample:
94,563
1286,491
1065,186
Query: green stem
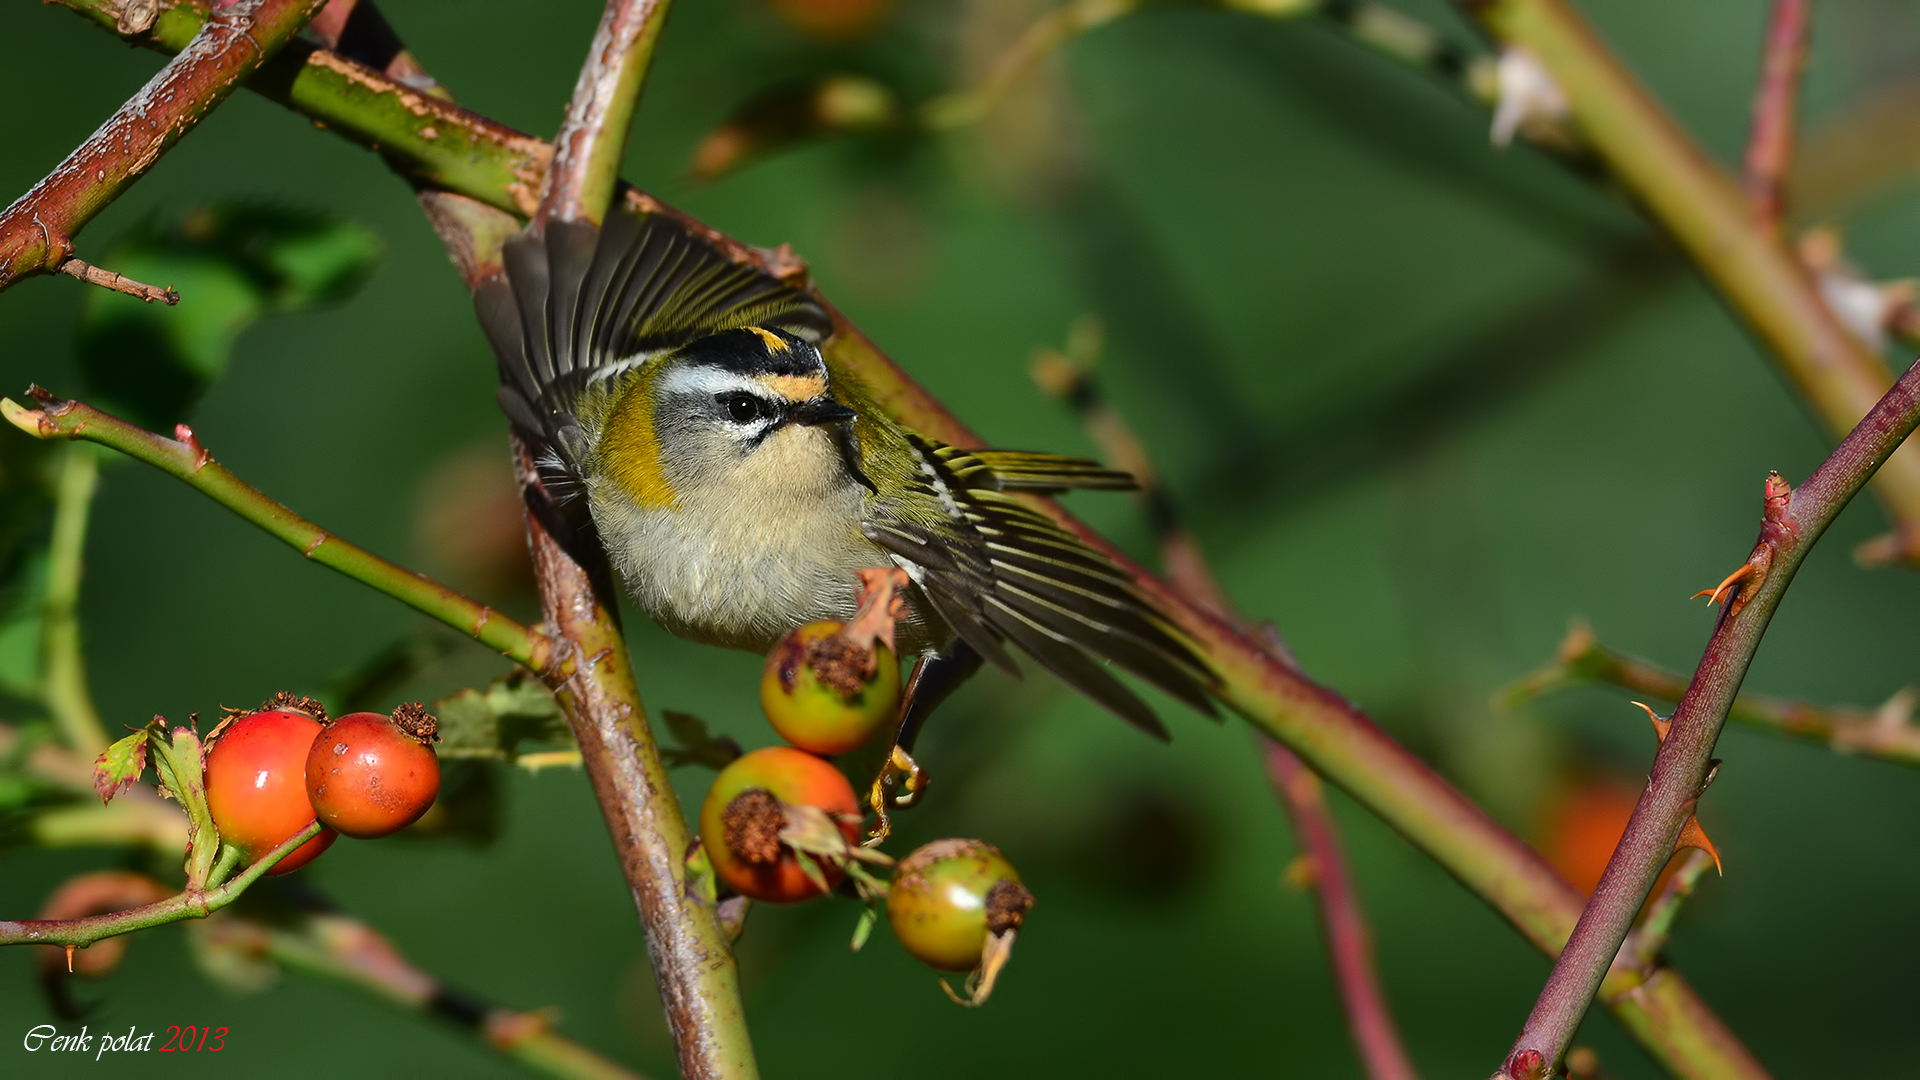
1705,211
188,461
422,136
230,857
187,905
64,669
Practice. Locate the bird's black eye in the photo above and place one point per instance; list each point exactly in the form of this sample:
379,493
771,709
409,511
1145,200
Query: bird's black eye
742,407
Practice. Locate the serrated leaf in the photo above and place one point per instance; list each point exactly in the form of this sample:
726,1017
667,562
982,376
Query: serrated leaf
120,765
515,709
697,746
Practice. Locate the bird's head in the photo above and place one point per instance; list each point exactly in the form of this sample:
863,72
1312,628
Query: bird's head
745,411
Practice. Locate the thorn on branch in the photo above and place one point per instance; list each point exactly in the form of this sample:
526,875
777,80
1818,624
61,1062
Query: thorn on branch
107,279
1736,587
1661,724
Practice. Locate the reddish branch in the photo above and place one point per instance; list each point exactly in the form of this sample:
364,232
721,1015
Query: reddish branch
1349,951
37,231
1792,522
1775,103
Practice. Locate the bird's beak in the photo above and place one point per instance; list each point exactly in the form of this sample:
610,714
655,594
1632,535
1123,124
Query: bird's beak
820,410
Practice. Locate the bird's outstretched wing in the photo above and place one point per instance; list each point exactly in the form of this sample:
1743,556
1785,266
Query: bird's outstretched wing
578,303
1001,573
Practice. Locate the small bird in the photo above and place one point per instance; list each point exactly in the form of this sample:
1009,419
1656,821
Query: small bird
737,480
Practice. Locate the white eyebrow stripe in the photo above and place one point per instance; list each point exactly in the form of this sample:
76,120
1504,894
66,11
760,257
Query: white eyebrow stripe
710,380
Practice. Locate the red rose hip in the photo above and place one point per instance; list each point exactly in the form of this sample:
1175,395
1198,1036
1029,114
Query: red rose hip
256,781
742,817
370,775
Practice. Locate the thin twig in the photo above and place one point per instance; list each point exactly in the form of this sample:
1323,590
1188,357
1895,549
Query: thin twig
107,279
186,460
1887,732
1682,189
37,231
63,668
1339,741
1349,952
1792,523
187,905
1775,105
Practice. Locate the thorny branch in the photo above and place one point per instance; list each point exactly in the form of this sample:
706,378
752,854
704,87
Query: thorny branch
37,231
1887,732
1683,767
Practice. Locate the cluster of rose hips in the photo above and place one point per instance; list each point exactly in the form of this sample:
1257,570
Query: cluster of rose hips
783,824
273,772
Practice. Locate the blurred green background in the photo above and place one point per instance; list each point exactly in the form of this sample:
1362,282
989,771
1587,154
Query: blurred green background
1423,403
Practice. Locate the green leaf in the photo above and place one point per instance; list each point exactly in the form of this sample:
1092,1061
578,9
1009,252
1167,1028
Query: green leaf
516,709
697,745
233,263
120,766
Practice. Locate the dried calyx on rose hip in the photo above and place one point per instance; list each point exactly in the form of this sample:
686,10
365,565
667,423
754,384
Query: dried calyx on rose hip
781,825
256,779
370,775
957,905
829,686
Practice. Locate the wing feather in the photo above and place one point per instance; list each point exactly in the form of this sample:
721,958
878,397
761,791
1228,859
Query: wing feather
576,303
991,565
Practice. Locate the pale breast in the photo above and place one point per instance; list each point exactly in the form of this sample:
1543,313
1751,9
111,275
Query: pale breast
741,567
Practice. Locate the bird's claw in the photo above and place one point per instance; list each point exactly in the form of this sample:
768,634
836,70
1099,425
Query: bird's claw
900,768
